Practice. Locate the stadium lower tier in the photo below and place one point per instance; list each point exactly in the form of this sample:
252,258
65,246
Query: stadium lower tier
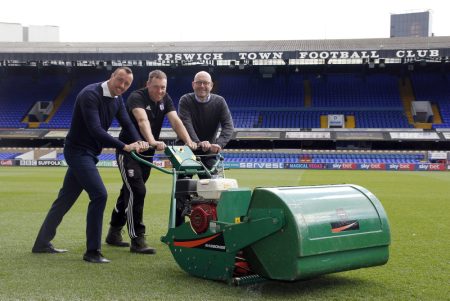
271,157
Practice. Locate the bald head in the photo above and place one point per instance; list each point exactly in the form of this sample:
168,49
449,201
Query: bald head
202,75
202,85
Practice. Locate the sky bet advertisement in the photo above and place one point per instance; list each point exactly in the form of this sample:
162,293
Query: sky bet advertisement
262,165
341,166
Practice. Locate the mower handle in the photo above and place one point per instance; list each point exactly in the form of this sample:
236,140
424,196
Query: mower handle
135,156
145,162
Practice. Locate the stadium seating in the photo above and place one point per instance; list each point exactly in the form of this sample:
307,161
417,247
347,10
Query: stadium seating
242,91
4,156
255,101
434,87
20,91
265,157
356,91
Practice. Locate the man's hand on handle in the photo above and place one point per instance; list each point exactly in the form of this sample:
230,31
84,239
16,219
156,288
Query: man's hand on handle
206,146
215,148
158,145
139,146
192,145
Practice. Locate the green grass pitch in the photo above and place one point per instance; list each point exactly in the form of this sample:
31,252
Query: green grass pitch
417,204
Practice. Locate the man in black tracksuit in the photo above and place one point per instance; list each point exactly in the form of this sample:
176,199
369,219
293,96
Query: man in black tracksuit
146,108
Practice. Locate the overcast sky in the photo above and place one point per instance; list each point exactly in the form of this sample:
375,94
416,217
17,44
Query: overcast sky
218,20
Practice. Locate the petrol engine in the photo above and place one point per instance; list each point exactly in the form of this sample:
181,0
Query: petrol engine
198,199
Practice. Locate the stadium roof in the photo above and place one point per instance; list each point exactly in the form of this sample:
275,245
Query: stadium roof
412,47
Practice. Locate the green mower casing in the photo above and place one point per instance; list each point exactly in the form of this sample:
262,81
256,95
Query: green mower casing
283,233
287,233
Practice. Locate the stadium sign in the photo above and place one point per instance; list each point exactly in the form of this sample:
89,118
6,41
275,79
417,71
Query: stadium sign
107,163
420,53
210,57
342,166
190,57
305,165
48,163
400,166
338,54
231,165
7,162
28,163
260,165
369,54
430,167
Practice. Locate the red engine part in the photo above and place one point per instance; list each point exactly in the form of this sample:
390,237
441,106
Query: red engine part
241,268
201,215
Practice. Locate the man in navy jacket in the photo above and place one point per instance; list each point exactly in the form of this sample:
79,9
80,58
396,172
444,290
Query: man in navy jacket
95,108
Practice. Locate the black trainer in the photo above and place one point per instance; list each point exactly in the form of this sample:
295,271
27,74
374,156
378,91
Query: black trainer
139,245
114,237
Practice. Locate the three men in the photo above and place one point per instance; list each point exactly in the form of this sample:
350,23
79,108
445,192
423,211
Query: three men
201,112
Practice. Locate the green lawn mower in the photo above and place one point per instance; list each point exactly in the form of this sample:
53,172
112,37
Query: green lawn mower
242,236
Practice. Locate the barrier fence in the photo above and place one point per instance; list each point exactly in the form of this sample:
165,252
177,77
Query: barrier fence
261,165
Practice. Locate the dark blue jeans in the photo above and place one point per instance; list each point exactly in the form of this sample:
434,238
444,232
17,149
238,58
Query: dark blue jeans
82,174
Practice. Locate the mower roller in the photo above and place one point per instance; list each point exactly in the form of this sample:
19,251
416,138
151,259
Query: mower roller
280,233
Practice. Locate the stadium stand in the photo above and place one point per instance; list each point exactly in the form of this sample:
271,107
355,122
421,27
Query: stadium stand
280,93
20,90
255,102
434,87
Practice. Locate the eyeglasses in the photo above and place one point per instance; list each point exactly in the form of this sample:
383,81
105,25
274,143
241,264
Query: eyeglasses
204,83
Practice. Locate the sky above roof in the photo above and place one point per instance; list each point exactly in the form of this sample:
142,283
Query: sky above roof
218,20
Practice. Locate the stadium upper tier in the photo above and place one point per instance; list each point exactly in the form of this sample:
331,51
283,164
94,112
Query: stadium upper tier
285,100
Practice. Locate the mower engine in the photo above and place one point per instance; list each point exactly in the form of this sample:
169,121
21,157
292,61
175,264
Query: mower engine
198,199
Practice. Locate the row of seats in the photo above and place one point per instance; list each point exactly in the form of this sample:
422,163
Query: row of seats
352,90
245,94
324,158
4,156
309,119
286,157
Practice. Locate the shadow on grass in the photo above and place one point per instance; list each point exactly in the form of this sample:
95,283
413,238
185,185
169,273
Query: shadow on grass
325,286
310,287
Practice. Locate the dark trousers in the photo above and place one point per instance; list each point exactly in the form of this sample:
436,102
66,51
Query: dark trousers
82,174
129,207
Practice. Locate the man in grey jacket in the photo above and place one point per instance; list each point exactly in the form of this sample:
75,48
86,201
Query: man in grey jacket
202,113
